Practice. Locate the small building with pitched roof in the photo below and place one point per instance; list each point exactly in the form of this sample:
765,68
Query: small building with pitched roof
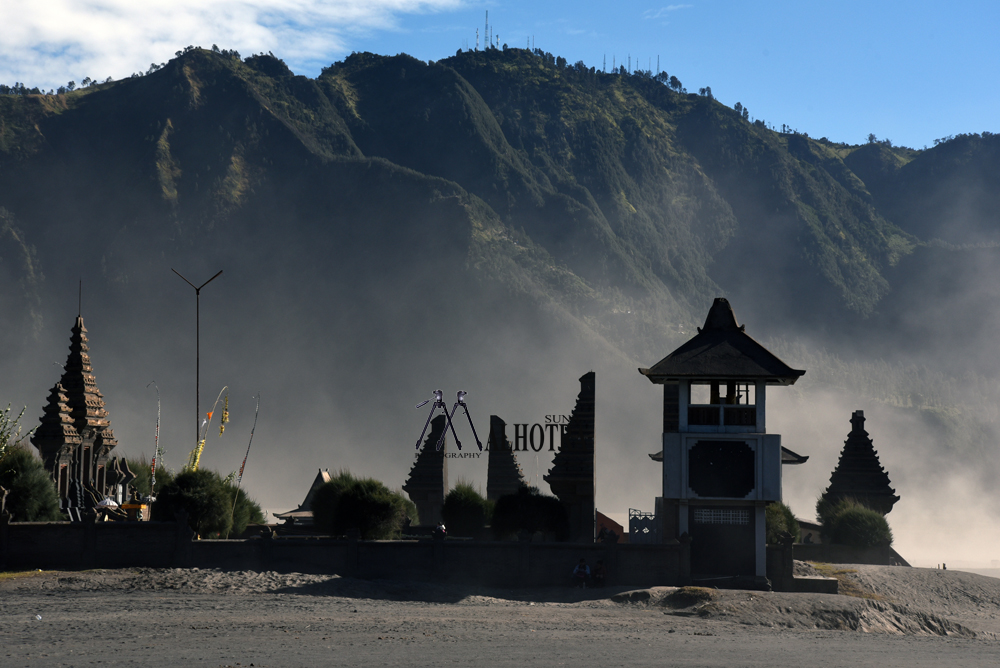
303,515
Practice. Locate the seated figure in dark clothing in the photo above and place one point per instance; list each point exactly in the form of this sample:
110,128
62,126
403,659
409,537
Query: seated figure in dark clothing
600,575
581,574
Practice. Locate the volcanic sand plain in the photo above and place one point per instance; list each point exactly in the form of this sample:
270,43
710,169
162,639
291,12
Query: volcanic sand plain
890,616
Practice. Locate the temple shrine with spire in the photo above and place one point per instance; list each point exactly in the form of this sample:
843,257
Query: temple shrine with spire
859,474
75,438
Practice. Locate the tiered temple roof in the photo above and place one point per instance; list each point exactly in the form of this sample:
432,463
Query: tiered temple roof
859,474
56,431
85,400
503,473
75,436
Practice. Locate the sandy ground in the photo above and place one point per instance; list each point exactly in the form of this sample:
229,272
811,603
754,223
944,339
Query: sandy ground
897,617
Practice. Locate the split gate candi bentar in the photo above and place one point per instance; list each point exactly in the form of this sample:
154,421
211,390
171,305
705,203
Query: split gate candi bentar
720,466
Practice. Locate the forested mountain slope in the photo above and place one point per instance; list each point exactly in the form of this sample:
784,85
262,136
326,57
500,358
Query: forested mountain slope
496,221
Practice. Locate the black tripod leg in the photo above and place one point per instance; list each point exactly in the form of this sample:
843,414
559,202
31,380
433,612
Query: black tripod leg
465,407
433,408
451,424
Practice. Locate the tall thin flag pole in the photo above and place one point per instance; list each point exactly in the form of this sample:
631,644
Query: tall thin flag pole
239,478
156,444
197,351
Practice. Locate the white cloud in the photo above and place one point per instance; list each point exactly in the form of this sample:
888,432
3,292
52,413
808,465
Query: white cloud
47,42
651,14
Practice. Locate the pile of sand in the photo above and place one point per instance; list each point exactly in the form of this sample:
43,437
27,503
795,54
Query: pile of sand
879,599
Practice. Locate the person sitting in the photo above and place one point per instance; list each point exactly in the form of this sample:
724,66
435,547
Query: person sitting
600,574
581,574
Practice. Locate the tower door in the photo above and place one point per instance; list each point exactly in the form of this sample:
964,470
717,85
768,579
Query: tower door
722,540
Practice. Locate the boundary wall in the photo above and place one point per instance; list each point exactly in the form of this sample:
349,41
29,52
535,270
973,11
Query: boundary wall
83,545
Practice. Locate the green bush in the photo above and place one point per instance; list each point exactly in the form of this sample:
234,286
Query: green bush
529,511
409,508
855,525
32,494
140,467
202,494
825,510
10,429
244,510
780,520
324,503
364,504
465,512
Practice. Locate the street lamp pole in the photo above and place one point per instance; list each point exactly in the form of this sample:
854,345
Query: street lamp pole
197,351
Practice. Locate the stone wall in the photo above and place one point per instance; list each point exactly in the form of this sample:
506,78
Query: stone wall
845,554
64,545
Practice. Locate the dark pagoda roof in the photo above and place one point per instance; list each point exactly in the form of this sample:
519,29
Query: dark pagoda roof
75,404
859,474
722,350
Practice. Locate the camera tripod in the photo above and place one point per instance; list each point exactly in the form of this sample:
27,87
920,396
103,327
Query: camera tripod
439,403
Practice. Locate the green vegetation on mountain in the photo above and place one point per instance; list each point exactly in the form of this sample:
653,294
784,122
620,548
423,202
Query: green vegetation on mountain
627,203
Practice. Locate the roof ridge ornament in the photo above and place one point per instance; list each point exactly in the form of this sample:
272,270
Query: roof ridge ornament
722,349
721,316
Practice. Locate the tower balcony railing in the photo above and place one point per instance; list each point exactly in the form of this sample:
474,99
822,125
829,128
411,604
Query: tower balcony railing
714,415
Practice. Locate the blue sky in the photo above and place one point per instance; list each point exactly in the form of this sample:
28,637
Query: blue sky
909,72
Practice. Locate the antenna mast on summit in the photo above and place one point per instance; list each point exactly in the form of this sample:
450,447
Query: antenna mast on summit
486,28
477,39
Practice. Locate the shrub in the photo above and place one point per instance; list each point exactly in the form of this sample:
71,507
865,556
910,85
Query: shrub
409,508
202,494
780,520
465,512
143,477
529,511
364,504
855,525
825,510
32,494
324,503
10,429
244,510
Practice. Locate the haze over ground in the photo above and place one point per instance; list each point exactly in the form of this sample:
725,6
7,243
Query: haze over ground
343,346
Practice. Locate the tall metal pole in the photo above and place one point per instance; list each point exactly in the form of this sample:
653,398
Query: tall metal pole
197,351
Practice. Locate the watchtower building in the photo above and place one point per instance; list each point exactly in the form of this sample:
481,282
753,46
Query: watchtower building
720,466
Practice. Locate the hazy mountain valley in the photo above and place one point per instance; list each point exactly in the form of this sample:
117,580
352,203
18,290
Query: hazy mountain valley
497,222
